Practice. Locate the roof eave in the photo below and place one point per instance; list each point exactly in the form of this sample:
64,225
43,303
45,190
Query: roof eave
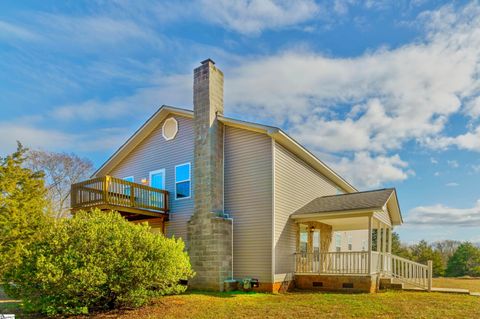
139,135
335,213
393,197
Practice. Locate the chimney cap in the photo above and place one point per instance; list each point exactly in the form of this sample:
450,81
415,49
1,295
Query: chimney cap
207,60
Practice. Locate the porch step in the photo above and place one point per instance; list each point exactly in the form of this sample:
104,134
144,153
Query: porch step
388,283
385,281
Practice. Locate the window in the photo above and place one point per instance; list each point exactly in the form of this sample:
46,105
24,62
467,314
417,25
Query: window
157,180
182,181
126,189
349,242
303,239
316,241
338,242
170,129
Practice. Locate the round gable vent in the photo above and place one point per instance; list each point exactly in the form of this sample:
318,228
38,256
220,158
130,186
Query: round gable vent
170,129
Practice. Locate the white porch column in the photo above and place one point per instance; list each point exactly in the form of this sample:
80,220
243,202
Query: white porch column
378,235
384,248
390,230
384,239
370,234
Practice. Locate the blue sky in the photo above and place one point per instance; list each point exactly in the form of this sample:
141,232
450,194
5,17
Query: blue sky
386,92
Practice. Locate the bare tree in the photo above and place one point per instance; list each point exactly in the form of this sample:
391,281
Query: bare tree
61,170
446,248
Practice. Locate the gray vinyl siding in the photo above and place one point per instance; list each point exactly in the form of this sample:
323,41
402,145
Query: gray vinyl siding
155,153
383,216
248,200
296,184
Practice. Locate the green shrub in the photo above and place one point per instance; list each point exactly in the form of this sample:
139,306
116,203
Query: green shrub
22,208
97,260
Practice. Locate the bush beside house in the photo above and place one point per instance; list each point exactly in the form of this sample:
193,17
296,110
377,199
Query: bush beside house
22,208
97,260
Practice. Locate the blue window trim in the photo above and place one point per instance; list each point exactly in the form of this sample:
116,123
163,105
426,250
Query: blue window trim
156,172
186,180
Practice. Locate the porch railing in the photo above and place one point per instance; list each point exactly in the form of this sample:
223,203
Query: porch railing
410,272
116,192
357,263
351,262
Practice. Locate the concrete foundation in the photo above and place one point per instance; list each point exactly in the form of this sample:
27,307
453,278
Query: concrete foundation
352,284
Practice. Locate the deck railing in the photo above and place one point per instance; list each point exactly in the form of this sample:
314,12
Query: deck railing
116,192
357,263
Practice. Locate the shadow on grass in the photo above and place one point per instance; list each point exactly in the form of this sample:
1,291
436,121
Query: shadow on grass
229,294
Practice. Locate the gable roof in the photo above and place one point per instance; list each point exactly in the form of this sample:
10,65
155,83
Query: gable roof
276,133
354,202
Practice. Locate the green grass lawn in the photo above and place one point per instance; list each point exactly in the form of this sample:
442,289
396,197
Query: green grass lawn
392,304
472,284
307,305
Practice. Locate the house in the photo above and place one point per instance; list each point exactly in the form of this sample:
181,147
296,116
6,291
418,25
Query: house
249,201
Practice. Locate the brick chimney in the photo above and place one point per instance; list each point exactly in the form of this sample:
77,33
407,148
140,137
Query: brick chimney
209,231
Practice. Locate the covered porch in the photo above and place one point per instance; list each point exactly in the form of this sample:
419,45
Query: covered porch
315,239
345,242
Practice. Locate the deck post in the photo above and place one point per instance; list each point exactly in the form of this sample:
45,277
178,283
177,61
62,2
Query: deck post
370,244
105,189
132,196
430,268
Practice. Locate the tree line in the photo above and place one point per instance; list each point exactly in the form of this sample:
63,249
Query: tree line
450,258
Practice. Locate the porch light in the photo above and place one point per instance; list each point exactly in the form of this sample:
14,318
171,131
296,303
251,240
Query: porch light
144,181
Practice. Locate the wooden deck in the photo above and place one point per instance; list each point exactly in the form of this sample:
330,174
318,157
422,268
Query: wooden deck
134,201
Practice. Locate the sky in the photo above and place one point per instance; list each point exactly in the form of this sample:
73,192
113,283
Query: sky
387,93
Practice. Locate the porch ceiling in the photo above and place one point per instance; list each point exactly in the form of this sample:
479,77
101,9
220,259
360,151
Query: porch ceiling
340,222
343,224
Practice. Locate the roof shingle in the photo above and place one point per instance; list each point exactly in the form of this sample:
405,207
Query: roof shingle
346,202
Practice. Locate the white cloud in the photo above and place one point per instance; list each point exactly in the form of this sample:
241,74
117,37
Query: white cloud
365,171
255,16
453,163
441,215
93,33
452,184
472,107
469,141
11,31
433,160
168,90
33,136
476,168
